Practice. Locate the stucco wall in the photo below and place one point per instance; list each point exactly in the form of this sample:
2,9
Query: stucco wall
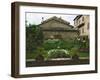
84,29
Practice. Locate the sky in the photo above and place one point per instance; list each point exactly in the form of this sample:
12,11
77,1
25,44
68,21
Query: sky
36,18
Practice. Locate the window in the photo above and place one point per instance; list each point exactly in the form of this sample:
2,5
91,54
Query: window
82,30
76,22
82,18
79,22
88,25
58,36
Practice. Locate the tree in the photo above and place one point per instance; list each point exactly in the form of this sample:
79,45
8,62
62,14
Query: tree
34,38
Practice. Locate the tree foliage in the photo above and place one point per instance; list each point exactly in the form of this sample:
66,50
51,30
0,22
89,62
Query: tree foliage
34,38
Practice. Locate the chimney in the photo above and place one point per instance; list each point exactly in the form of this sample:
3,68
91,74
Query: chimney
42,19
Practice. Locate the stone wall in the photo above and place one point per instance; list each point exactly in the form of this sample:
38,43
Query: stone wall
60,34
56,29
55,24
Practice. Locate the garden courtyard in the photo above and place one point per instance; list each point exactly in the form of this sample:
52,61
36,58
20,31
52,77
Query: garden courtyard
54,51
60,49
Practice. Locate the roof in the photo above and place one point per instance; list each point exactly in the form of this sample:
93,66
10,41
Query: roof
77,17
57,19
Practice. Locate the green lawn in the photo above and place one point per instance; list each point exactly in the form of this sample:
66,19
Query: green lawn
83,54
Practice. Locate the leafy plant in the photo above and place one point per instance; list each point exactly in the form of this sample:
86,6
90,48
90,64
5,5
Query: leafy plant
58,53
34,38
74,52
40,52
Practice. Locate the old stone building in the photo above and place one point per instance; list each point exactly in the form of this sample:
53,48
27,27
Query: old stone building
57,28
81,23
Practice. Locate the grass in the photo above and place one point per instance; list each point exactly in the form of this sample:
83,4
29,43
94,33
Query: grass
83,54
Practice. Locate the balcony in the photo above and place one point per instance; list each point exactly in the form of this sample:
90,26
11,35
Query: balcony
80,24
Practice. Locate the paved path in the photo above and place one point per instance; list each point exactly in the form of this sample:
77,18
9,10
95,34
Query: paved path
59,59
33,63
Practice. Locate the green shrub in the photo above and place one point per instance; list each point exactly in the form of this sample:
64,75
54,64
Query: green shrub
53,44
74,53
40,52
58,54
